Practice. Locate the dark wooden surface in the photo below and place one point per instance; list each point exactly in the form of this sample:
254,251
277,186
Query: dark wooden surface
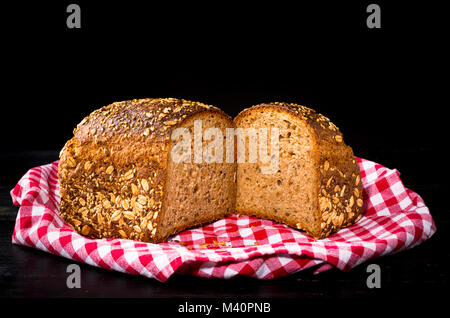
422,272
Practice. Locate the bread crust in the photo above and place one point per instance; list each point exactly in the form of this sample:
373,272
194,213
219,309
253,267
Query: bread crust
339,187
113,172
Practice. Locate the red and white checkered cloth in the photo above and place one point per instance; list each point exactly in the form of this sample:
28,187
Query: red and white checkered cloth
396,218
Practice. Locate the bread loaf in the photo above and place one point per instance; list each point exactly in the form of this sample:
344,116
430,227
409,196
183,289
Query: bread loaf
118,180
317,184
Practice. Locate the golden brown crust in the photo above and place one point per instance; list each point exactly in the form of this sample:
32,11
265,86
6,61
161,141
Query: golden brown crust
149,118
340,190
113,171
339,186
322,126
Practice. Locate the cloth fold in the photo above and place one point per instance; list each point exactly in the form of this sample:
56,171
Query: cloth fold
395,219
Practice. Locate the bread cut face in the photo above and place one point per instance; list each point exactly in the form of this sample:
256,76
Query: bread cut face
316,187
287,195
198,193
118,178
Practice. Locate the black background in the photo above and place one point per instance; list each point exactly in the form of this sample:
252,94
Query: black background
382,87
378,85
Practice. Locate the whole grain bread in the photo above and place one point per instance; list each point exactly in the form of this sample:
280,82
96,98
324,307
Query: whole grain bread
117,179
317,187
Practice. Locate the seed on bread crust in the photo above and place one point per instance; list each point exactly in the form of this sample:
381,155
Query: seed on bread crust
351,201
116,216
145,185
109,170
85,230
87,166
359,203
134,189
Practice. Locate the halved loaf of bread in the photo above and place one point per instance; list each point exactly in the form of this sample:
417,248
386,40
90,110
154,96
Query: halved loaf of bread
316,185
118,177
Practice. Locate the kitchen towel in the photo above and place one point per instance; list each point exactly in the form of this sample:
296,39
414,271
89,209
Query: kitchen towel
395,219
